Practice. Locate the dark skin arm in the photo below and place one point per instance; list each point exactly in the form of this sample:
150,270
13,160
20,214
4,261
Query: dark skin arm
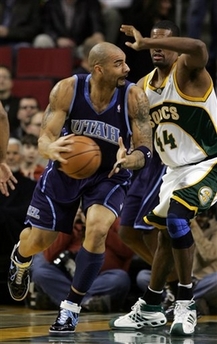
6,176
191,74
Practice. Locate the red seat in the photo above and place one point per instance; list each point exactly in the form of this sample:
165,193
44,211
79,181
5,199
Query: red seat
56,63
40,89
6,57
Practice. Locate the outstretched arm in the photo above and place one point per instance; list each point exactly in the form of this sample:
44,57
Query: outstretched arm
195,51
192,76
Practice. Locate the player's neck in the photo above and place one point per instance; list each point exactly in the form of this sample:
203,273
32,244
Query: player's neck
159,76
100,98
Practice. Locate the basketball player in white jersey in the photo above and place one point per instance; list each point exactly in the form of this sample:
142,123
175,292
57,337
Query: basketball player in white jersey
186,141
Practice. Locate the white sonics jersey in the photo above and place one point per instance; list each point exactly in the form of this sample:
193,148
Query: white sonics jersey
184,127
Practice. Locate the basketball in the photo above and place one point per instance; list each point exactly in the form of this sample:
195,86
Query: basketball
84,160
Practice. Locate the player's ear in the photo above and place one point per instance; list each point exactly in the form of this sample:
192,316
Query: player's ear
98,69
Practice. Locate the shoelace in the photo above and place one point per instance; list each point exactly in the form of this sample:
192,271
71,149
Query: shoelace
136,307
65,314
20,272
180,311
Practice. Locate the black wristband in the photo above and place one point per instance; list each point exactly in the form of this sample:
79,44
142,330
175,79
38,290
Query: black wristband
147,154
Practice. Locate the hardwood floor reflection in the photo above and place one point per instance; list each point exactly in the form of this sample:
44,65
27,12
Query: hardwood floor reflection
22,325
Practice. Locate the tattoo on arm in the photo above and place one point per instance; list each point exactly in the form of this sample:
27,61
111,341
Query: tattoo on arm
142,123
47,115
139,161
142,110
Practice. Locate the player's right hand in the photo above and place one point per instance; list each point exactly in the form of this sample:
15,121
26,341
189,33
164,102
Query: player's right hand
62,145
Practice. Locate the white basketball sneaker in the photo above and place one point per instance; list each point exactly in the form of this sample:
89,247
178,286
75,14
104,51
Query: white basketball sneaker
142,315
185,318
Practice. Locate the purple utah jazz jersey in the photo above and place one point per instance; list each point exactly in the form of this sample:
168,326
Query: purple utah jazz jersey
105,127
56,197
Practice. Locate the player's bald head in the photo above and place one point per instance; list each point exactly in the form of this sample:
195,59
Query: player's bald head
100,54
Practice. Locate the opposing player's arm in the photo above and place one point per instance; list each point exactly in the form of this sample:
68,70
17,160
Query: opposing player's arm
191,63
195,51
6,176
50,143
191,74
4,133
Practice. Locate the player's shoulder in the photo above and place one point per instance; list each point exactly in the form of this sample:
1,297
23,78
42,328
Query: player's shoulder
67,81
62,92
137,92
141,82
64,86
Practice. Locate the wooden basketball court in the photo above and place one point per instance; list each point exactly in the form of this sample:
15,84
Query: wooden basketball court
19,324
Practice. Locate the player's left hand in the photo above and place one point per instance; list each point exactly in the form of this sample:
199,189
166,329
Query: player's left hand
130,31
6,179
121,158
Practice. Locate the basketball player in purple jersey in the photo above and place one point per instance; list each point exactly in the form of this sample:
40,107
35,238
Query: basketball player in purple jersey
106,107
142,196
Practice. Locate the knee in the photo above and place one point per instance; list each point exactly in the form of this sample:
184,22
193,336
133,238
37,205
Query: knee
95,235
38,239
179,226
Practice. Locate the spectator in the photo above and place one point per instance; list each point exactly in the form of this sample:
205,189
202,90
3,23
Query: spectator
9,102
28,106
12,212
197,11
204,231
112,19
20,22
143,14
67,23
34,128
30,166
35,123
53,270
204,273
83,67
